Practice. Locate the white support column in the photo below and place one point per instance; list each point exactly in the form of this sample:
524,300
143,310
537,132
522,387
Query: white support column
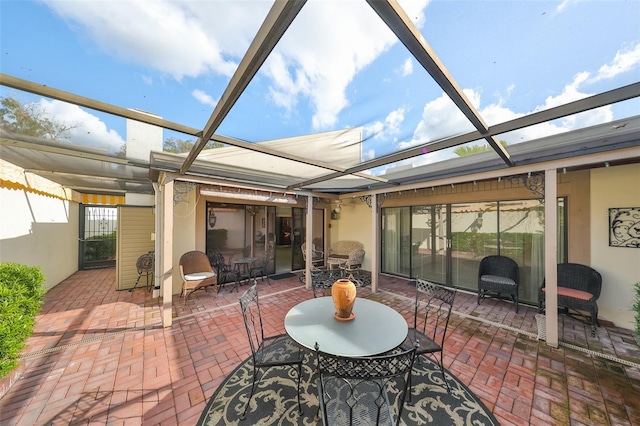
158,247
308,239
375,240
167,253
551,256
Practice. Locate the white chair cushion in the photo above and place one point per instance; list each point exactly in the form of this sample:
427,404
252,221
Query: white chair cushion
199,276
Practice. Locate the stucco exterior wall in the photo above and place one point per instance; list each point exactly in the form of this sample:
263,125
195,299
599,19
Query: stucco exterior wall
184,233
355,225
42,231
620,266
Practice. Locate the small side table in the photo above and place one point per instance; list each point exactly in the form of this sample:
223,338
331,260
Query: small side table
333,262
243,264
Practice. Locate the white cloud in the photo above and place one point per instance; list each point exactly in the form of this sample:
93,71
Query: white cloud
203,98
181,40
346,37
407,68
624,61
572,92
388,128
564,4
88,129
172,37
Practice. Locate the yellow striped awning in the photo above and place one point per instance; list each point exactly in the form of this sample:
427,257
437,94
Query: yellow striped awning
16,178
110,200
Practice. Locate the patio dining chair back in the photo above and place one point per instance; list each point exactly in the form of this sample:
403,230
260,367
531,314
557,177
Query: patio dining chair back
226,275
145,266
260,268
432,310
364,390
267,351
322,281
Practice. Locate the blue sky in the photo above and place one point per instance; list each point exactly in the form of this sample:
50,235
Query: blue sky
338,65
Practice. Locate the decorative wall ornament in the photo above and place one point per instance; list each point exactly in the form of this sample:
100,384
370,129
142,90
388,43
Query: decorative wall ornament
624,227
253,210
379,199
534,182
181,190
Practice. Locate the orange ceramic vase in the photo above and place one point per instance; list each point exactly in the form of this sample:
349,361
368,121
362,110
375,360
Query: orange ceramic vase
343,292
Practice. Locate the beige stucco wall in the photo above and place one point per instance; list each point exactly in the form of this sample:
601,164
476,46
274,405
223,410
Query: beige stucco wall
42,231
619,266
184,232
355,225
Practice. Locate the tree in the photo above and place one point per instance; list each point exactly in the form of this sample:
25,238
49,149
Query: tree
461,151
179,146
30,119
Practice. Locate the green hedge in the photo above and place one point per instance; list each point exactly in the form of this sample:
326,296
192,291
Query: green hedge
102,247
21,292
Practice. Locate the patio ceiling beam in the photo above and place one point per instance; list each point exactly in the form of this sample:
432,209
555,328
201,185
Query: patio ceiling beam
596,101
50,92
577,162
43,90
398,21
585,104
100,176
9,143
280,16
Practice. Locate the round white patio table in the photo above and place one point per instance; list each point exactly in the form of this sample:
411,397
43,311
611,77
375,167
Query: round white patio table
375,329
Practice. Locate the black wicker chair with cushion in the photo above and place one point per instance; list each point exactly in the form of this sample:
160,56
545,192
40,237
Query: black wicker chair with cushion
267,351
432,310
498,275
363,391
226,275
578,290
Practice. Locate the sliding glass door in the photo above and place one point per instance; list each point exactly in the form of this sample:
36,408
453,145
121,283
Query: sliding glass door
396,240
444,243
429,247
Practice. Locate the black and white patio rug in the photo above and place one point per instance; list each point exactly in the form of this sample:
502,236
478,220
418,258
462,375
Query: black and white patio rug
275,403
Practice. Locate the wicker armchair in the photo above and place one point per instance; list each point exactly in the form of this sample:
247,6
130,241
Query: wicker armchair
579,288
498,275
353,265
196,273
317,256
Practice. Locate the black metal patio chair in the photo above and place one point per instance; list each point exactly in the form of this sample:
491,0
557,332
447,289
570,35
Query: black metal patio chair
432,310
226,275
364,390
267,352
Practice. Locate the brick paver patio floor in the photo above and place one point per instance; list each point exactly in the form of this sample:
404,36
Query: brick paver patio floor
100,356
